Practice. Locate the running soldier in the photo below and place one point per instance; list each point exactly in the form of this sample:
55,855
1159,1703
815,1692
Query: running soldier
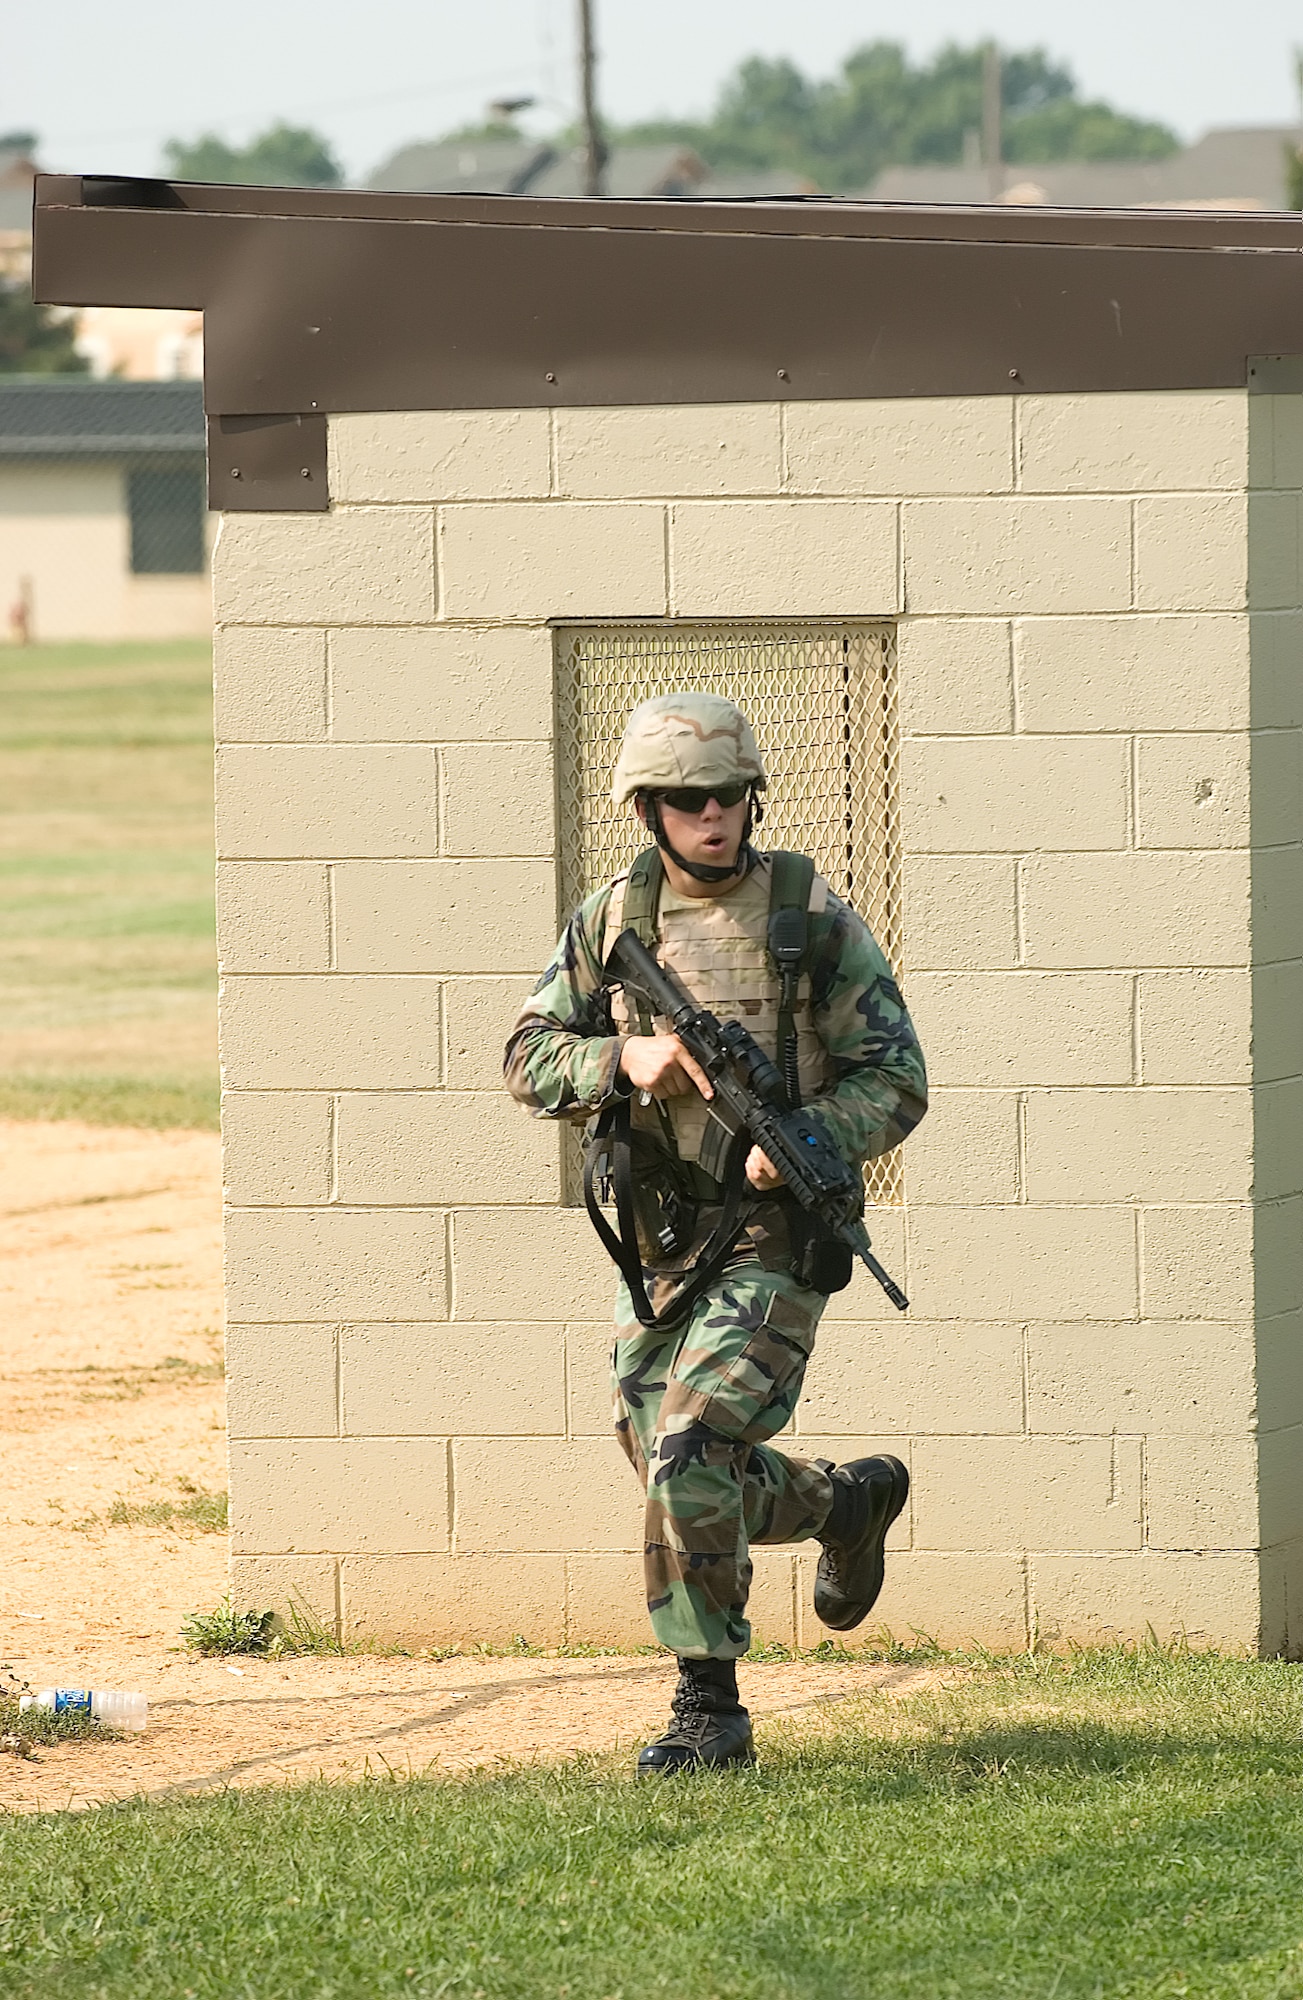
706,1373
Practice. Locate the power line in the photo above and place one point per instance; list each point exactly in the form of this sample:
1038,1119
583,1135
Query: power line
315,109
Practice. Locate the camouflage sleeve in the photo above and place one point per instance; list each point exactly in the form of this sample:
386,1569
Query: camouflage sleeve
562,1056
880,1092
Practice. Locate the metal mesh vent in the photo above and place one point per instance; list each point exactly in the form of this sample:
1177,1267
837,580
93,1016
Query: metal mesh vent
822,701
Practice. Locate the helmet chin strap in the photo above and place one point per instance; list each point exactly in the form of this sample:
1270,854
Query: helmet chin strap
700,871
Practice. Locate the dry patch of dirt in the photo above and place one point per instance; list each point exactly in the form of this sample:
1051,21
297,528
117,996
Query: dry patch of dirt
110,1382
283,1721
111,1391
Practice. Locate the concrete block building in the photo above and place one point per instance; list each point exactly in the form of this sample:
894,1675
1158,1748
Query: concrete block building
991,519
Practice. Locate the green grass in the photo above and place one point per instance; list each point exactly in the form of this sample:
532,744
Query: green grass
226,1630
208,1512
43,1725
1110,1825
107,965
301,1631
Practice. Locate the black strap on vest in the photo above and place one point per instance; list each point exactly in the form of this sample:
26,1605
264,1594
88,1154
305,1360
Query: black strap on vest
642,901
613,1138
791,880
789,948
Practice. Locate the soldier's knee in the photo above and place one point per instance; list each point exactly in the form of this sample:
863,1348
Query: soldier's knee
696,1445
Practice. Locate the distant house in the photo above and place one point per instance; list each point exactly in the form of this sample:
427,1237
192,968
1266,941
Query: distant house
1238,167
633,173
755,184
528,166
18,171
473,166
1235,168
142,343
103,510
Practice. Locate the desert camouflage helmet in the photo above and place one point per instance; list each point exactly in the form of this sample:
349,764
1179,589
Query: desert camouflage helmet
685,739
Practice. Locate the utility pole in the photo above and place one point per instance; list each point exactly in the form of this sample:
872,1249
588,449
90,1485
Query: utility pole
594,144
992,136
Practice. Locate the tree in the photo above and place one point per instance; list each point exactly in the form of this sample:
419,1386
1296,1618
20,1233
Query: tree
881,110
282,156
769,114
1074,131
33,339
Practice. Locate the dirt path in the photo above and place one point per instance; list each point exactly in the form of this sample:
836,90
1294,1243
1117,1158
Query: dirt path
110,1382
258,1722
111,1392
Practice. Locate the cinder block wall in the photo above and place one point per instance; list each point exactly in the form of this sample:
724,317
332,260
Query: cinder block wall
1100,1386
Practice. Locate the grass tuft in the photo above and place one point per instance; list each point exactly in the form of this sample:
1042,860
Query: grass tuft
206,1511
305,1631
226,1630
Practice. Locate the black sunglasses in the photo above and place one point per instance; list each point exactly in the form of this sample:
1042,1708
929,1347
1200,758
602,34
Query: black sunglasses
692,799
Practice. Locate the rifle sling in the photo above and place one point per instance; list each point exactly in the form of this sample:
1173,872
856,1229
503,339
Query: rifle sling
789,951
613,1131
642,902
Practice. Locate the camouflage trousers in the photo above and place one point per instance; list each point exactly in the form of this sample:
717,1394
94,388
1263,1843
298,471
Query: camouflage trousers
694,1411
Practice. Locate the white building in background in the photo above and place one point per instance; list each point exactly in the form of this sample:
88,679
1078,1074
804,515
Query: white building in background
141,344
104,525
18,170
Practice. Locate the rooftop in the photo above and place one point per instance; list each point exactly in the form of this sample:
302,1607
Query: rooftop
667,173
475,166
72,416
530,166
1231,167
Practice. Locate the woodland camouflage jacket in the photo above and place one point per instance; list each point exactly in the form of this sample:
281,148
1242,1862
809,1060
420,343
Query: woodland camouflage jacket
562,1055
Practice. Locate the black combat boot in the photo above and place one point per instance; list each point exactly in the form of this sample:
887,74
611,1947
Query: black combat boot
867,1495
710,1725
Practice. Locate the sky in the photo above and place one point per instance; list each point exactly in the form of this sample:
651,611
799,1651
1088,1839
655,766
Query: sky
105,87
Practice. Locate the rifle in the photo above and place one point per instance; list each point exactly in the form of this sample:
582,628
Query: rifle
749,1095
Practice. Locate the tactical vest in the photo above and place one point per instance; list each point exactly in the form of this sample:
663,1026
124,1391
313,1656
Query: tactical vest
719,946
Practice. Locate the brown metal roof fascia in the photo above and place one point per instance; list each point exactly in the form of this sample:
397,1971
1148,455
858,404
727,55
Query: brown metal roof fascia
323,312
773,216
268,465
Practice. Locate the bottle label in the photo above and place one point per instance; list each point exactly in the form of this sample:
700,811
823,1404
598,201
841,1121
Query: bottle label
72,1701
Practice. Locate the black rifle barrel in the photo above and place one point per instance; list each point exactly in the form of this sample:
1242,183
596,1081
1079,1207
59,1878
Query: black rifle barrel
629,954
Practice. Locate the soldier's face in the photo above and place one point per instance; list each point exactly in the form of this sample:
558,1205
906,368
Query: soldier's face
711,837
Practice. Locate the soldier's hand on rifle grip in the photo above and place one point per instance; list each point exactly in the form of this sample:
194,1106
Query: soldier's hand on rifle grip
761,1171
660,1066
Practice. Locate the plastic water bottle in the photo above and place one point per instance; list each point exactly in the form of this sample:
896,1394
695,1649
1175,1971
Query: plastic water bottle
111,1706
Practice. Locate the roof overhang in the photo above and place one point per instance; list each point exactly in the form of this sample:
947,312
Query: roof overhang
322,300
